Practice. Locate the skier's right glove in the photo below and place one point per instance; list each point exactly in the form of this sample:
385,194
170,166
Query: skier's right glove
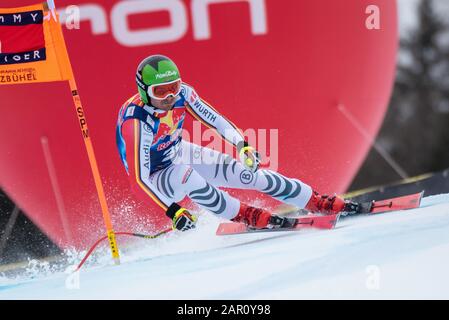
249,156
181,218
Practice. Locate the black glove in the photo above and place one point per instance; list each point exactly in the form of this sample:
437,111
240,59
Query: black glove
181,218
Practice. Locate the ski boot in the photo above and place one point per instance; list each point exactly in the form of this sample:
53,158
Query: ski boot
352,208
257,218
331,205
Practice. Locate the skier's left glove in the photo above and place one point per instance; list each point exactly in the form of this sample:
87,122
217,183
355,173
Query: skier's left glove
181,218
248,156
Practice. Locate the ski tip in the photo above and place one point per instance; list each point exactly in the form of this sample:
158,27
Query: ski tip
228,228
419,197
220,230
337,218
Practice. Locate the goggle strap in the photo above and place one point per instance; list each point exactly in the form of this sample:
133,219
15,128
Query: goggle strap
140,83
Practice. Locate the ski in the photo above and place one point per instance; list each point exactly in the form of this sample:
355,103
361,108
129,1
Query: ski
289,224
328,222
410,201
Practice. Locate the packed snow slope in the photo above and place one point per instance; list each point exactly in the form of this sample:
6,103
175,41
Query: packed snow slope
402,254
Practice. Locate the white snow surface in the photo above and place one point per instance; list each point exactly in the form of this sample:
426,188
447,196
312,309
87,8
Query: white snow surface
397,255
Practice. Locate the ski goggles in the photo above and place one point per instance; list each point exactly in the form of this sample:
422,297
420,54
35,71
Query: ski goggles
165,90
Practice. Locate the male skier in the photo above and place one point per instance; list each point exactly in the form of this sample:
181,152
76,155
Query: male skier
167,168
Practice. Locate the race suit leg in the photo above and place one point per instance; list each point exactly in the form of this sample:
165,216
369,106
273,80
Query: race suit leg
198,172
221,170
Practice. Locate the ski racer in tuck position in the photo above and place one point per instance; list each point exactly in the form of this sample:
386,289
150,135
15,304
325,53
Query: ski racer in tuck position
167,168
